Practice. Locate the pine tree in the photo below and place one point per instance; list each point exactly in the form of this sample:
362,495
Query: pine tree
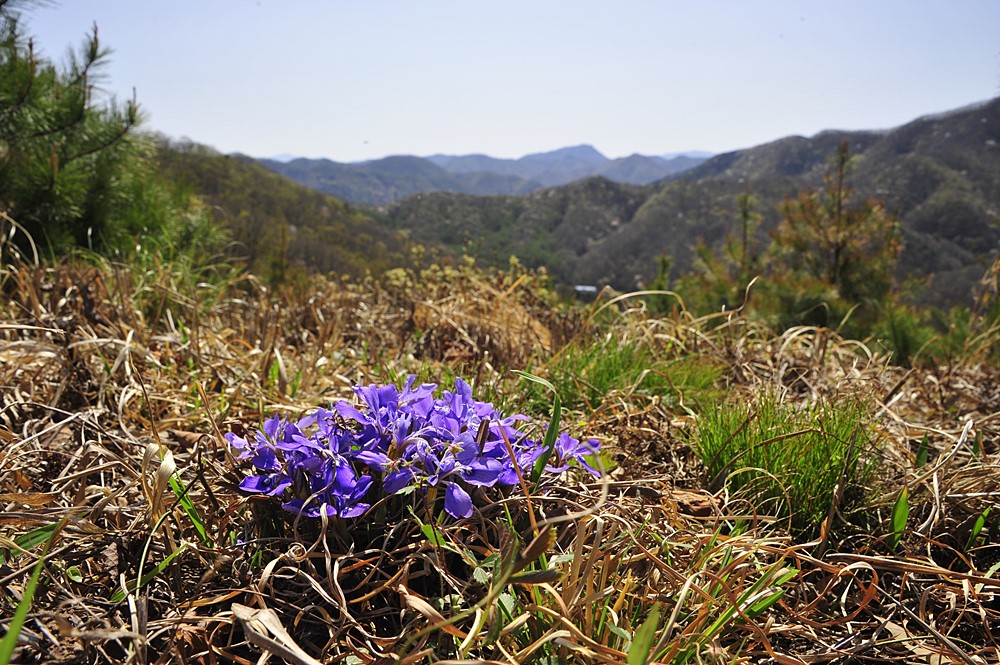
72,169
848,247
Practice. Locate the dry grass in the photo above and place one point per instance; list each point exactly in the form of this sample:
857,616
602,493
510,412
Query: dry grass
115,380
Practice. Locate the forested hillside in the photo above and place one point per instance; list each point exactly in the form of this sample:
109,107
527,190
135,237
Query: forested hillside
277,225
554,227
938,175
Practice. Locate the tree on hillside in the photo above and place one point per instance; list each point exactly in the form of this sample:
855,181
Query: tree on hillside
72,170
843,247
722,275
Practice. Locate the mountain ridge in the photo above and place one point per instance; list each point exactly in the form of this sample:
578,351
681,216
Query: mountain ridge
384,181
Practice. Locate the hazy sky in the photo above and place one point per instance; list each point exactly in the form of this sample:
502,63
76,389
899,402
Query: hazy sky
368,78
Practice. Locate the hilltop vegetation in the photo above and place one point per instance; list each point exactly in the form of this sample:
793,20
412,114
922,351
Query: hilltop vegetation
551,228
77,172
73,170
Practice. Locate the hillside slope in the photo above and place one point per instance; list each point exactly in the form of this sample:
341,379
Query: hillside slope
277,223
553,227
940,174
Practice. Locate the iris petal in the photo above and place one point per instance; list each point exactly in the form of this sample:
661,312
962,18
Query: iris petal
457,501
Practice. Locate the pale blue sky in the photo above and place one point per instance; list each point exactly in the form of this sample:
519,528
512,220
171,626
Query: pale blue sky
367,78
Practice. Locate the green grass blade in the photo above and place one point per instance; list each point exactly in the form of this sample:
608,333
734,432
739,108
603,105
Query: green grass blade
774,576
900,514
923,450
192,511
549,443
623,635
148,577
760,606
977,528
29,541
9,641
642,643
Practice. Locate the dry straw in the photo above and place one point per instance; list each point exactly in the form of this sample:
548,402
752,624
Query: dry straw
132,579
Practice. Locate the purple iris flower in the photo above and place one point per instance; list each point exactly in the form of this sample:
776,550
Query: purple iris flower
420,400
322,465
330,486
450,464
567,448
263,438
271,484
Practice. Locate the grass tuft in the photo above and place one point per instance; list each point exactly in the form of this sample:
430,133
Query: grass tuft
788,460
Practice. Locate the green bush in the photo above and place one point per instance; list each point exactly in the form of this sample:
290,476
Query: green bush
930,337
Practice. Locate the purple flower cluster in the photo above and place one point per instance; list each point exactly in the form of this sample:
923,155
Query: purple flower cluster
327,462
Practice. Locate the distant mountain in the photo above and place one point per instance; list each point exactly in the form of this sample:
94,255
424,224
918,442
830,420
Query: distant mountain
642,170
565,165
383,181
698,154
940,174
474,164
